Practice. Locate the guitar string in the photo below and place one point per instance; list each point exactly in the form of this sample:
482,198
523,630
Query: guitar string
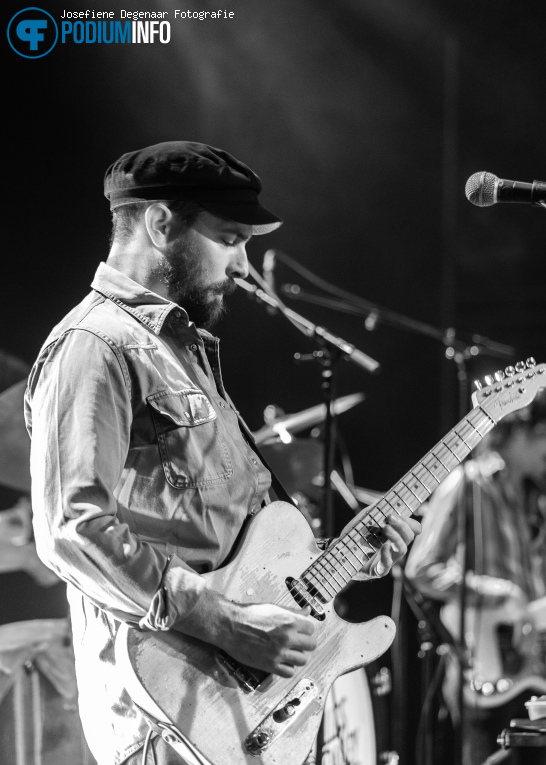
323,567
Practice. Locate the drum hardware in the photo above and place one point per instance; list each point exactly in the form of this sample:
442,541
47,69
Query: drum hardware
293,423
14,439
381,682
389,758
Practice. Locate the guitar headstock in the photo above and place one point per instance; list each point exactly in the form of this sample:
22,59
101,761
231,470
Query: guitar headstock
508,391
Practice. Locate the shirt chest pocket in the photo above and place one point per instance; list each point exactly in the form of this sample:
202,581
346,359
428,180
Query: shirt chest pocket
192,449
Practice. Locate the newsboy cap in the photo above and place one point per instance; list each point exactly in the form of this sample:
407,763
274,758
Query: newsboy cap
187,170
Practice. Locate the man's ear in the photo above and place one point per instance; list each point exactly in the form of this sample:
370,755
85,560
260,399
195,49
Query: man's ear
159,220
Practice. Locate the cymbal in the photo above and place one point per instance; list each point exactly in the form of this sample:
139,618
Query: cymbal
14,439
293,423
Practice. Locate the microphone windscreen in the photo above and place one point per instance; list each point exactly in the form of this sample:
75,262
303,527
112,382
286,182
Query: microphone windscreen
480,189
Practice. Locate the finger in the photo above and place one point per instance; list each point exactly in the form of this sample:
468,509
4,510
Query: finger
385,561
407,527
302,643
294,659
305,625
397,543
284,670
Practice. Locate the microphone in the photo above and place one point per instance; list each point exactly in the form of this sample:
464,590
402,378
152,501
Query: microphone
485,189
268,267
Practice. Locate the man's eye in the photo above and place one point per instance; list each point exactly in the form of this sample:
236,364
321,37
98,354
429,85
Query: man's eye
228,243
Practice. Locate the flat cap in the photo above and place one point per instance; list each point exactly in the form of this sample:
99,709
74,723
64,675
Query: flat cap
188,170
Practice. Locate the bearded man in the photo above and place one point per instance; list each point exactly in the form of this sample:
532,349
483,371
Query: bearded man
143,473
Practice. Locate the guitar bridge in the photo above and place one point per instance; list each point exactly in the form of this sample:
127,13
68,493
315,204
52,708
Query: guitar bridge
246,678
303,598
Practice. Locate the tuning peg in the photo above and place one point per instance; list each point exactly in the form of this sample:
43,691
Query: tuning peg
520,366
499,375
530,362
489,380
510,371
478,384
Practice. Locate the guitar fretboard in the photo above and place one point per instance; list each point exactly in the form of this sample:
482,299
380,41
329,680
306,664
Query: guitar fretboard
334,569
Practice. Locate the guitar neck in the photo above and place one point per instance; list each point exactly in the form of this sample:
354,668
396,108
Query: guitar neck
334,569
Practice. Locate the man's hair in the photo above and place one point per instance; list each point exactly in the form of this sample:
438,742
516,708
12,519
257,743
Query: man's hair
126,217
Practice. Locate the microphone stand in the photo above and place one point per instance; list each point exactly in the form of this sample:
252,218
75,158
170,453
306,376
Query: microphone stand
331,350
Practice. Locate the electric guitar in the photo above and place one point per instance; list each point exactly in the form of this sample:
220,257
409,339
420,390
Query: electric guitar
214,710
507,649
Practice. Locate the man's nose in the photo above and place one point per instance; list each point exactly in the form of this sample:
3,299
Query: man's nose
238,266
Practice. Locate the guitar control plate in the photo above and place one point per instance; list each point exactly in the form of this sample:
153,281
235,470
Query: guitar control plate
281,718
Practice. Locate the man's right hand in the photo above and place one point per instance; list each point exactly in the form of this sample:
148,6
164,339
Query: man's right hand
271,638
262,636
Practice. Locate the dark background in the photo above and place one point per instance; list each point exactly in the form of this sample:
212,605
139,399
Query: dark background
364,119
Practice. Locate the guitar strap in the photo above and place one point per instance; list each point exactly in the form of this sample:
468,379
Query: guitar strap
278,489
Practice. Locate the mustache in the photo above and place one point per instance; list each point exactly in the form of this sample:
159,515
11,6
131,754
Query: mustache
227,287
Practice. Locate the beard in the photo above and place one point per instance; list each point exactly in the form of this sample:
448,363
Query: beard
187,281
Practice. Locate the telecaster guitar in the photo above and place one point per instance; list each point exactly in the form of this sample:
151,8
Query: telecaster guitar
217,711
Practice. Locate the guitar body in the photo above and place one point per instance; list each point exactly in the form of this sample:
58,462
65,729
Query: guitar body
507,652
182,680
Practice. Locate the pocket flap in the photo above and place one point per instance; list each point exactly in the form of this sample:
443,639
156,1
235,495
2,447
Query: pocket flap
188,407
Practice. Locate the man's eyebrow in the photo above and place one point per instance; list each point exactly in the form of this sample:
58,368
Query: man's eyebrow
230,228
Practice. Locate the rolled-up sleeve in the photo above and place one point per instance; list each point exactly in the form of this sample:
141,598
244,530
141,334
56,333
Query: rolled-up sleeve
79,414
432,563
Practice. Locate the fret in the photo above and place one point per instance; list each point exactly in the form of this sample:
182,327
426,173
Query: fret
457,460
435,467
410,489
446,456
489,422
424,476
395,503
337,551
397,491
379,509
371,532
358,541
459,447
391,505
352,552
317,578
418,485
331,570
481,420
373,539
468,434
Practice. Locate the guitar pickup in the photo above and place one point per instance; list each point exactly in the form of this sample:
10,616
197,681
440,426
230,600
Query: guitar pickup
303,598
281,718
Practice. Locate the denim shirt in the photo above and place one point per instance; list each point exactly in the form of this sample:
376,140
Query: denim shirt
141,480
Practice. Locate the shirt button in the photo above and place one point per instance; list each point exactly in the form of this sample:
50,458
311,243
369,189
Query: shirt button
193,347
177,314
254,462
222,404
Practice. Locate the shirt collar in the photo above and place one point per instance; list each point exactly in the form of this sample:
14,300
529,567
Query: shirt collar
148,307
